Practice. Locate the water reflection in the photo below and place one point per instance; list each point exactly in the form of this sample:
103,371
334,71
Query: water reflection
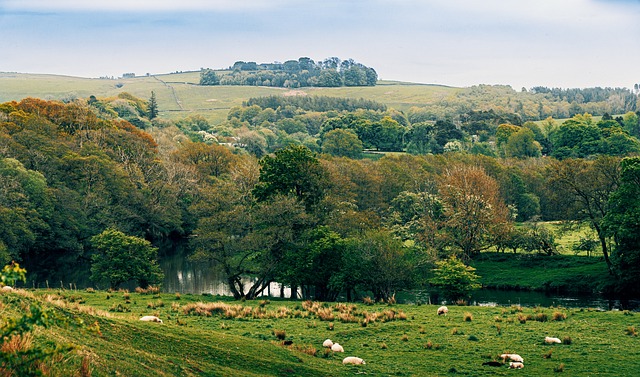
185,276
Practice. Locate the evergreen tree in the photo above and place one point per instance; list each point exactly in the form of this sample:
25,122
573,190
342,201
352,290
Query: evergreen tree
152,106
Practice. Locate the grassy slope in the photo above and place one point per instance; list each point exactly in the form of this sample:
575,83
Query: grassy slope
178,95
216,346
563,273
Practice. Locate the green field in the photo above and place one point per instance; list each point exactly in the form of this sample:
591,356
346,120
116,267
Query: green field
241,338
178,94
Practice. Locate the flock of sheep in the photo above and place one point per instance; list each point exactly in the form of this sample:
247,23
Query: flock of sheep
515,361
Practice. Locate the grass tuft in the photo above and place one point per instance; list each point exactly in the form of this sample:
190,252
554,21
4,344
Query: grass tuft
631,330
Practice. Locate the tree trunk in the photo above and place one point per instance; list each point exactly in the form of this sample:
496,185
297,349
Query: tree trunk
605,248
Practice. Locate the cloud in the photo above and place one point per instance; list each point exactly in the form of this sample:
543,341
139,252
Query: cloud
137,5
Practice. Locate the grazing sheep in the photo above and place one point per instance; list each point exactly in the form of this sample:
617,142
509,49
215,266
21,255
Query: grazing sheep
151,318
516,365
7,288
443,310
512,357
327,343
550,340
337,348
353,360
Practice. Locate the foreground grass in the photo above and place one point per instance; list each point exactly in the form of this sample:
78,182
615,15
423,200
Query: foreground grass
212,336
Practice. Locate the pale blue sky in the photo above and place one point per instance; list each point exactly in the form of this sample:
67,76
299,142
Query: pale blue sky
556,43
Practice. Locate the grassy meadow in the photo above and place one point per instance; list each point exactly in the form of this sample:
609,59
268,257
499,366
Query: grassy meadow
213,336
179,96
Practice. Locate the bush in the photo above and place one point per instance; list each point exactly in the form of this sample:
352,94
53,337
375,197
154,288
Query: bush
454,279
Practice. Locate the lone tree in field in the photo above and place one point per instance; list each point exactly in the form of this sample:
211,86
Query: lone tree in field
120,258
454,279
152,106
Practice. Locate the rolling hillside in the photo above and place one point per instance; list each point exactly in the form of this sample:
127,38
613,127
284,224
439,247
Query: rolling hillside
178,94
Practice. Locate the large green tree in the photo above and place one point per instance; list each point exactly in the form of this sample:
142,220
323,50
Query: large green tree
623,222
119,258
341,142
585,187
293,170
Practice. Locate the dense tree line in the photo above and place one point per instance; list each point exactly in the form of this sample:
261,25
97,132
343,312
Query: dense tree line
277,209
529,105
304,72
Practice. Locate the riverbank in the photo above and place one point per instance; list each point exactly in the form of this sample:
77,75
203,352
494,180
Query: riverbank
556,273
208,335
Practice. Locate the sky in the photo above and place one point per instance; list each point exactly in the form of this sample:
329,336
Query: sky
553,43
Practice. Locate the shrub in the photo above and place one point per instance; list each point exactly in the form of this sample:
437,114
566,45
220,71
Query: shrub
631,330
473,338
541,317
383,346
521,318
367,301
559,368
307,349
558,316
547,355
567,340
405,338
280,334
429,345
454,279
468,317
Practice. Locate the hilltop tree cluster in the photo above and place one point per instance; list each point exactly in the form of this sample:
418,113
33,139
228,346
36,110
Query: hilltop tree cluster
283,194
331,72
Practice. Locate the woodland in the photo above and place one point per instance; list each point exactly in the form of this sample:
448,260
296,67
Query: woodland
326,194
304,72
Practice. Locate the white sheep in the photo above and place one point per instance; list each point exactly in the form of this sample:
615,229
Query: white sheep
7,288
353,360
151,318
327,343
550,340
337,348
443,310
512,357
516,365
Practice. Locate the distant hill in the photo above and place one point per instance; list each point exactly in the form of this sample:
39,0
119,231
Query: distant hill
179,95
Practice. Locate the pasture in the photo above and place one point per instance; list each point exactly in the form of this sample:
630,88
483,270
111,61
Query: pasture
179,96
212,336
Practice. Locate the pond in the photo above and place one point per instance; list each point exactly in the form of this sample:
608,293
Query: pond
184,276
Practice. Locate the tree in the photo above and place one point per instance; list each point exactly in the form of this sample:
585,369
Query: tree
379,263
341,142
314,264
120,258
152,106
473,208
454,279
209,77
293,170
248,241
587,185
522,145
622,221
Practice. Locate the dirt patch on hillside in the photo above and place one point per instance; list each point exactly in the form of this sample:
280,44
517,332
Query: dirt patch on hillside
292,93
